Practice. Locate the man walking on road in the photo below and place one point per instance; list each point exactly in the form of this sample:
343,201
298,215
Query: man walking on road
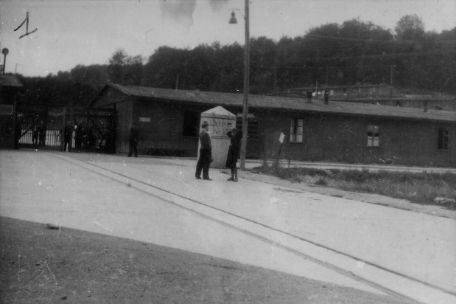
134,138
205,156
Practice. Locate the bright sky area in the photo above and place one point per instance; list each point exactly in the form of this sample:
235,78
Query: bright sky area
87,32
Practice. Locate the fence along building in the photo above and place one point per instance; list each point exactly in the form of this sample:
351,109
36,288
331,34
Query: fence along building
383,94
338,131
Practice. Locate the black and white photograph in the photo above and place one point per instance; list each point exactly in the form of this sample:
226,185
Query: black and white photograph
228,151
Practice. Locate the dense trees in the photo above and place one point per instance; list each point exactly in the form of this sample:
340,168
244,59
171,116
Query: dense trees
125,69
348,53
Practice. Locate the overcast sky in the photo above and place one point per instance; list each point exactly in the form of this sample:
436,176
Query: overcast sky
85,32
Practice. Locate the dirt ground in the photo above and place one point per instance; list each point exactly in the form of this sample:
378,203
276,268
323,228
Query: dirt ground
370,198
41,265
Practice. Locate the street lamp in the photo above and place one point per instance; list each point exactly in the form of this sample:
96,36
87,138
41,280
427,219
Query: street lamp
245,103
4,52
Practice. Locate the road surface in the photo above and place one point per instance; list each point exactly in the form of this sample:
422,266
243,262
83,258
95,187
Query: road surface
364,246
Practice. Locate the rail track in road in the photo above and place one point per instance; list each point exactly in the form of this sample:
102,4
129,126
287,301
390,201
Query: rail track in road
199,207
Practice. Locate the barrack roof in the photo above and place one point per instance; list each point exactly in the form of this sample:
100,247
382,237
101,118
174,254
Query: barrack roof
9,81
294,104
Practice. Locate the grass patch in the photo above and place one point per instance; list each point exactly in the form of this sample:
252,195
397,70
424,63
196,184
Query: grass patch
420,188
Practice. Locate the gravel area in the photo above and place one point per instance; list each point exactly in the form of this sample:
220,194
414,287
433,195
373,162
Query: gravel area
46,264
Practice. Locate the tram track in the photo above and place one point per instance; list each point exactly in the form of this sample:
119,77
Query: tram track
174,198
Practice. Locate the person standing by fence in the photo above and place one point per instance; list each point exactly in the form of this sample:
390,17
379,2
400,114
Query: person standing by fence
42,134
67,134
205,153
35,136
233,152
77,137
134,139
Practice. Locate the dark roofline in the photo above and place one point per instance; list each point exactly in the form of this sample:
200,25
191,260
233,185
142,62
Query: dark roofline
394,98
94,100
324,86
10,81
278,103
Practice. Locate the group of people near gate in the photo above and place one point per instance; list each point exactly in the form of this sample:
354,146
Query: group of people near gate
38,135
205,153
78,136
83,137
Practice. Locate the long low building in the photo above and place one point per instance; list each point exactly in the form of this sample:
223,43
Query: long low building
168,122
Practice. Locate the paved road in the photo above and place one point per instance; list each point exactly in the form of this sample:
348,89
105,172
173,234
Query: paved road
368,247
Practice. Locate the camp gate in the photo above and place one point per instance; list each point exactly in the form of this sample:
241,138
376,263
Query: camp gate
44,127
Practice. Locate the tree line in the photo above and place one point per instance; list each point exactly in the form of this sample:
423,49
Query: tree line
353,52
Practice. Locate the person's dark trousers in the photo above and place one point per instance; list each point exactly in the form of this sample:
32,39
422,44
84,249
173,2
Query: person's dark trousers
203,164
66,145
133,149
234,170
42,142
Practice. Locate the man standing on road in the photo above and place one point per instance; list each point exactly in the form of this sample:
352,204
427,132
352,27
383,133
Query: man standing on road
205,156
134,138
67,134
233,152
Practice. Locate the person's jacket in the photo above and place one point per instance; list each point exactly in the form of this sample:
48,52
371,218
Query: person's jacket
134,134
235,139
205,140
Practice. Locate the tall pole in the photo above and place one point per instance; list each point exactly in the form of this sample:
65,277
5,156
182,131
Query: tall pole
5,53
245,104
391,82
391,74
4,63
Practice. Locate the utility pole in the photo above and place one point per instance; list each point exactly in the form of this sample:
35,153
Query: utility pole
391,74
245,101
327,75
177,82
391,82
245,104
5,52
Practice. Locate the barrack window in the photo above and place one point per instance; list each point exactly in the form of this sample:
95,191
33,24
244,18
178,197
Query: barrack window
296,130
373,136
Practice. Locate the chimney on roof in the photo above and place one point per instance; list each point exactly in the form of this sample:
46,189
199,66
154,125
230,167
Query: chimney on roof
425,106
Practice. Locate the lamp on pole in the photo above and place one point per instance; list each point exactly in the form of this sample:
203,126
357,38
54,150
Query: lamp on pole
245,102
4,52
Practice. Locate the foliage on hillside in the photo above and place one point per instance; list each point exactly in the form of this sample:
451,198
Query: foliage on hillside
349,53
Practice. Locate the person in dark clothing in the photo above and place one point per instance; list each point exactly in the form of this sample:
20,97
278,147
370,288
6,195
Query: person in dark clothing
134,138
205,155
17,135
35,136
67,134
42,134
233,152
326,95
77,137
